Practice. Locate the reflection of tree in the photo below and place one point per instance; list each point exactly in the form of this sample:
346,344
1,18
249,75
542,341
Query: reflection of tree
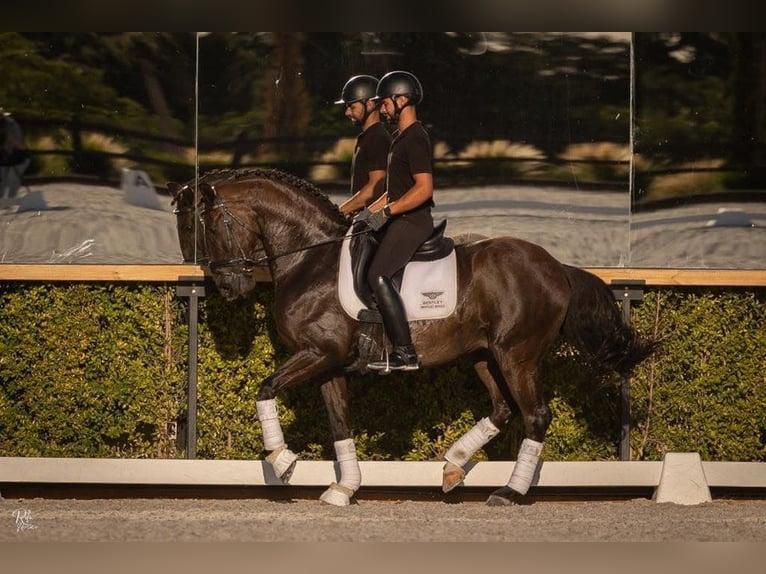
161,71
86,98
104,75
286,100
42,76
749,107
702,96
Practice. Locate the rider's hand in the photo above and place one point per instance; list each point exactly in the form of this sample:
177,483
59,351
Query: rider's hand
377,220
362,216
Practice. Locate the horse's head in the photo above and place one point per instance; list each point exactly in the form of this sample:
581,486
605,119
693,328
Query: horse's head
232,240
190,235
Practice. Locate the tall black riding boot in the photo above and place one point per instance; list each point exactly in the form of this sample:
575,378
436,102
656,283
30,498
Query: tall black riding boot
403,357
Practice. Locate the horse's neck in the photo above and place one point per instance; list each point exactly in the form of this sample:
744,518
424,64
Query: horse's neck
297,238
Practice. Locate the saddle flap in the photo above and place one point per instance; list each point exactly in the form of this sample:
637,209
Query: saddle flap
428,288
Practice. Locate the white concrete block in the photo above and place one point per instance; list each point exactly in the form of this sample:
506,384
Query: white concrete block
682,480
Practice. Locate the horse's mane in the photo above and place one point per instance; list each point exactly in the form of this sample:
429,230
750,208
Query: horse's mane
230,175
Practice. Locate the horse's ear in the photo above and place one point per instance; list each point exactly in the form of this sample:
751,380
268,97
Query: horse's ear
207,193
174,189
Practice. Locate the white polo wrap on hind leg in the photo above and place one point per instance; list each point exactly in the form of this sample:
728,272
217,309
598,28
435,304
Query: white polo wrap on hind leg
272,430
480,434
350,473
526,465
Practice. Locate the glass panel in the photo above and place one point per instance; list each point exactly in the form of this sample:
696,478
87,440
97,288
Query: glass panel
531,131
108,118
699,196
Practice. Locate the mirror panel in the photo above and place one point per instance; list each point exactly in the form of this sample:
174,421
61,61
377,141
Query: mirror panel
108,118
532,136
699,195
531,131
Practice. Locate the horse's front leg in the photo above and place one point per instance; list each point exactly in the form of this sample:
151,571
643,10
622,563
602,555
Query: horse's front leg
335,395
299,367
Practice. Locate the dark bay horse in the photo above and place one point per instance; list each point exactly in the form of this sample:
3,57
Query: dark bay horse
514,301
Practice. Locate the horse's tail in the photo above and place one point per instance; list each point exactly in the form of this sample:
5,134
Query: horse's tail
594,325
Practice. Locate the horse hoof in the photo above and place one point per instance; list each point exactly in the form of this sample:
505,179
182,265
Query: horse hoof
452,477
504,497
337,495
283,462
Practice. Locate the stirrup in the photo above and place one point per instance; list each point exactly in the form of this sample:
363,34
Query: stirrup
399,360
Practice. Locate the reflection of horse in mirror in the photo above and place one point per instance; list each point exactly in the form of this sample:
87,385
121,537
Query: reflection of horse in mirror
514,300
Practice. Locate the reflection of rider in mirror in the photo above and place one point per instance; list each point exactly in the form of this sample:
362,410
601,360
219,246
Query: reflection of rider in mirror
403,213
14,155
368,167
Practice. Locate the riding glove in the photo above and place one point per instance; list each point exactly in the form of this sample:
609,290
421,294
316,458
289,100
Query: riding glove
362,216
377,220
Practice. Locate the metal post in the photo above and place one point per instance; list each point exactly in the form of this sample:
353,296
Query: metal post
626,291
190,287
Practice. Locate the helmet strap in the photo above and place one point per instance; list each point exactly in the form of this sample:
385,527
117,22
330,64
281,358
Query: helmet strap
397,109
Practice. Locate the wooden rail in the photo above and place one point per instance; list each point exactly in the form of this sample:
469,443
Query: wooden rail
171,273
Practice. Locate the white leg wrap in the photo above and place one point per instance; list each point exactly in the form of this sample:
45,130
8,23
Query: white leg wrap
526,465
273,438
337,495
465,447
350,473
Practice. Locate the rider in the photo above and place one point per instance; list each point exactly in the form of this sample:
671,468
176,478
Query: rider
14,155
368,166
403,212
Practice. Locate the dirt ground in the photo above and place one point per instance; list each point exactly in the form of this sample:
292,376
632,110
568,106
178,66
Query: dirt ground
632,536
308,520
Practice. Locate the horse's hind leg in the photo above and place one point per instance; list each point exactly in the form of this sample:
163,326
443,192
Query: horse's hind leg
521,374
335,395
482,432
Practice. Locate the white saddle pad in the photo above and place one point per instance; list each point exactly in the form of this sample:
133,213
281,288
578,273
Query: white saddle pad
429,288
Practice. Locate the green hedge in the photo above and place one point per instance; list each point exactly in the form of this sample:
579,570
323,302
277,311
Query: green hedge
91,370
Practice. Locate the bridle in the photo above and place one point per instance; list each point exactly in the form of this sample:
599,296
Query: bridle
246,263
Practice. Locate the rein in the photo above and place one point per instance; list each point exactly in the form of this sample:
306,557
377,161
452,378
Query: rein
249,263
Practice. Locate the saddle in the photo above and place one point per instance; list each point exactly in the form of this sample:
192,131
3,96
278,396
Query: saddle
363,247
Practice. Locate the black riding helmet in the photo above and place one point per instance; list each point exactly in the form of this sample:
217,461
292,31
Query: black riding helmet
358,88
399,83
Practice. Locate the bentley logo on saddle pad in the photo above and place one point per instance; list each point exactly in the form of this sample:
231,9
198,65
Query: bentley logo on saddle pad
429,288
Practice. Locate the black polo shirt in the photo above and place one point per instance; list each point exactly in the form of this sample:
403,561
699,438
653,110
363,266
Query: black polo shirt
370,154
410,154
